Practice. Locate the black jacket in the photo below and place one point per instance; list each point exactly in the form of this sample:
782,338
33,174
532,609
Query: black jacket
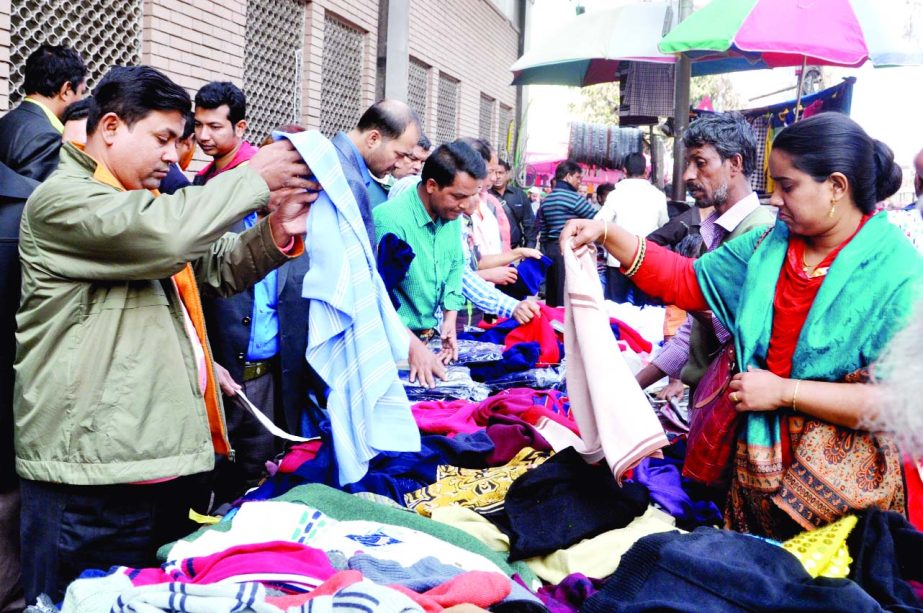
29,144
518,209
14,190
228,322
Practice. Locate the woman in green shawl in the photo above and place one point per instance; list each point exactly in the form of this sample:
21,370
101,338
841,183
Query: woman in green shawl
811,305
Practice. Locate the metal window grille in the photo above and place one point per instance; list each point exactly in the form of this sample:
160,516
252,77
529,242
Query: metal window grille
106,33
418,88
341,76
447,109
272,64
506,133
486,123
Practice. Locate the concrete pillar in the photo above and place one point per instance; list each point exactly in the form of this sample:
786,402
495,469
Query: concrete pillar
393,49
681,111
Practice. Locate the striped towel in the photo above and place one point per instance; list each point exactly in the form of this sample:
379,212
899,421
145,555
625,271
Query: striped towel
614,417
355,337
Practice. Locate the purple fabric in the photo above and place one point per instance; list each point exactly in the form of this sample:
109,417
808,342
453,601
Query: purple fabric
569,595
663,480
510,435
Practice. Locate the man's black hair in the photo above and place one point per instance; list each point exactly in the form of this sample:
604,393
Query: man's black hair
390,118
424,143
634,164
728,133
214,94
480,145
603,189
51,66
78,110
450,159
189,128
505,164
567,167
132,92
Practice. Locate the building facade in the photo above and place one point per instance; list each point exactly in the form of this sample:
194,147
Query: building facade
318,63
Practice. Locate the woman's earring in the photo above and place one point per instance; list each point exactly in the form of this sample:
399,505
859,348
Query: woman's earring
832,208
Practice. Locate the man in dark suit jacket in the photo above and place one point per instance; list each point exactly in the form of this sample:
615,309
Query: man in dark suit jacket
30,134
517,206
231,318
387,132
14,190
259,336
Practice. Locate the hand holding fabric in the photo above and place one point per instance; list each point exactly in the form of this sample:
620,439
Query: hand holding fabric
526,310
226,382
759,390
673,390
291,217
449,338
425,365
499,275
280,165
583,232
284,194
528,252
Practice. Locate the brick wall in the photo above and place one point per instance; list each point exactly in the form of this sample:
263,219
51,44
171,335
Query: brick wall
362,14
195,41
473,42
4,55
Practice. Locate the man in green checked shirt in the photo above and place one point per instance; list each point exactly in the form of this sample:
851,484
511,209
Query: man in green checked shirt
426,218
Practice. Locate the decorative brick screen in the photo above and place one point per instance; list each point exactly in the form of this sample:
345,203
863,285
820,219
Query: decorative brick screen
447,109
105,32
341,76
418,89
273,64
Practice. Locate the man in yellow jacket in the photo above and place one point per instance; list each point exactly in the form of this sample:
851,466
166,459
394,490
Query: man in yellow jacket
117,414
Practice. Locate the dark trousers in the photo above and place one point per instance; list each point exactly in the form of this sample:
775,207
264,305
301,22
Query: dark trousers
10,585
67,529
252,443
554,278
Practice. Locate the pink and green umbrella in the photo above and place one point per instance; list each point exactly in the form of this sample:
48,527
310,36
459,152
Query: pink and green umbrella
732,35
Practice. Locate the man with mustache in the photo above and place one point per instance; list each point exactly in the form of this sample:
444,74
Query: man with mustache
720,157
117,416
220,124
426,218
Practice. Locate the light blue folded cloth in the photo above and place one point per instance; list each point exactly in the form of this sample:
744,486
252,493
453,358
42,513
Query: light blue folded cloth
355,336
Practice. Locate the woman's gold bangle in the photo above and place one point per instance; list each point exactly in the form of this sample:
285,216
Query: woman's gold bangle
795,395
605,231
639,258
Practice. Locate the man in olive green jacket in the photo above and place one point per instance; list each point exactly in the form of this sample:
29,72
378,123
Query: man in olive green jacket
116,408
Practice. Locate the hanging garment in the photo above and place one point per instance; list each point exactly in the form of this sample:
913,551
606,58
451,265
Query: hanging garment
355,336
649,89
614,417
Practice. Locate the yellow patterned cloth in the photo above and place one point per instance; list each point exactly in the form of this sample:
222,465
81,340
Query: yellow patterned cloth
479,489
823,552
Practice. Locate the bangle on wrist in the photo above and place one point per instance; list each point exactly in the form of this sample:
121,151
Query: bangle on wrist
795,396
605,232
639,258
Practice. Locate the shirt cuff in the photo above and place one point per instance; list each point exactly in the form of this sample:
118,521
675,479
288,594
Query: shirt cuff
671,361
